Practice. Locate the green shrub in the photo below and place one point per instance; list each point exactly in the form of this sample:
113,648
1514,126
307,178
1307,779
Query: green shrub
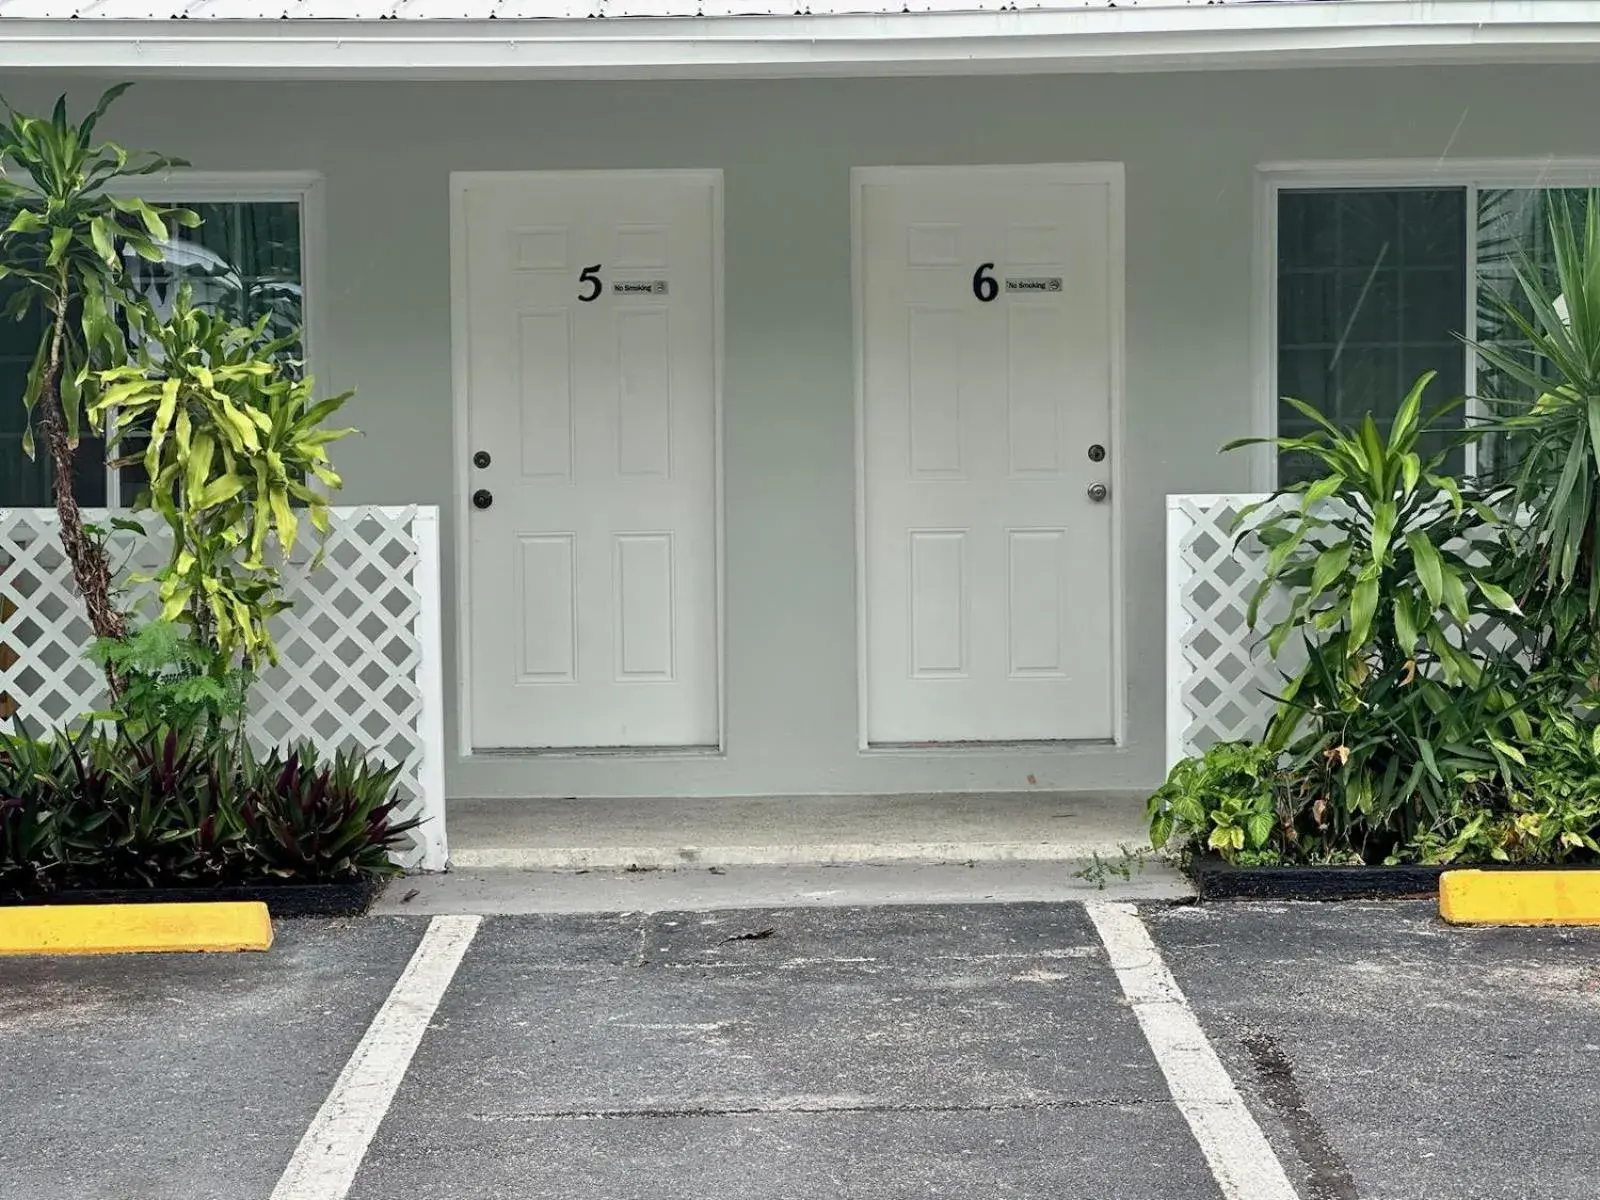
108,808
1392,722
1225,800
1550,812
1251,805
170,679
33,775
316,821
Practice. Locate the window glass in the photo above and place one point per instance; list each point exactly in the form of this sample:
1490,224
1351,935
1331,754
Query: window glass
1371,294
244,261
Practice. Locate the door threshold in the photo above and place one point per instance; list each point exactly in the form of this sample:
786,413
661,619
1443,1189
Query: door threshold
1044,744
596,751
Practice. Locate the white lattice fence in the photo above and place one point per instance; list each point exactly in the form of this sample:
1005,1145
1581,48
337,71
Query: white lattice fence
1221,681
359,663
1220,678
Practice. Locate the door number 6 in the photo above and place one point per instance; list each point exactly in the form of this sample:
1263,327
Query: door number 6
984,285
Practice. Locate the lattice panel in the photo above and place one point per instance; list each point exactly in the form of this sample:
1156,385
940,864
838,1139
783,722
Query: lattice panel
1221,680
353,668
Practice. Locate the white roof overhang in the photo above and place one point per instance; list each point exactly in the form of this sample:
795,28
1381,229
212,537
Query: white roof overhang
637,39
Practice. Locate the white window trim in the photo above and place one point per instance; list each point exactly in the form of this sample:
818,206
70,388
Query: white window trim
1275,177
304,188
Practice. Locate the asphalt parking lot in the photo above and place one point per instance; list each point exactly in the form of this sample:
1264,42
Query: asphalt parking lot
943,1050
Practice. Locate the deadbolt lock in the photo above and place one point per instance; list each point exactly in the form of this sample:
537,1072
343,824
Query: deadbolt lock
480,459
1097,453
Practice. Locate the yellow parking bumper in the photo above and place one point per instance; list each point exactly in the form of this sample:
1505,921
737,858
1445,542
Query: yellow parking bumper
134,928
1520,897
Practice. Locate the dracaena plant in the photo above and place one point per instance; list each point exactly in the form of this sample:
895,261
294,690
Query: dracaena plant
63,235
1383,581
1374,556
231,439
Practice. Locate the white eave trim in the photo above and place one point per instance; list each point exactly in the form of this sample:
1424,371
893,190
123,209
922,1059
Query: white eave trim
1233,36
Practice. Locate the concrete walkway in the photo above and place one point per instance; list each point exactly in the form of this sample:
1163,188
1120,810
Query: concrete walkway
709,889
564,834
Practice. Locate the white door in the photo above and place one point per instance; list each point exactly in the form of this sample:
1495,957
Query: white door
590,389
989,340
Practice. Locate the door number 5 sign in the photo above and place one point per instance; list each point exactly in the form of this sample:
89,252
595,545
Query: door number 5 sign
591,286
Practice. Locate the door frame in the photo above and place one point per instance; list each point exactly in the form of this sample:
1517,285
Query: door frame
1111,175
460,475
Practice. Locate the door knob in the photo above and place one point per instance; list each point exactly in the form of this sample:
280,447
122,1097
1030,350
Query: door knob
483,497
1098,492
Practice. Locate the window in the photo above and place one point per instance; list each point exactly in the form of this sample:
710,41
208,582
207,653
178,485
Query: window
1378,284
246,259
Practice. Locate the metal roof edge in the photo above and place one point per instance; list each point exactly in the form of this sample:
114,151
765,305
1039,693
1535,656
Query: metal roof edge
844,43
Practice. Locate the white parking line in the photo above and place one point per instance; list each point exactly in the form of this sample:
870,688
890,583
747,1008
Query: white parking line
1242,1162
326,1160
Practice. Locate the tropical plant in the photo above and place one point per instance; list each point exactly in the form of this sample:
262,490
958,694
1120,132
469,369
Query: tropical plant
30,774
101,807
229,440
1376,553
1372,775
1226,800
144,787
1550,813
171,680
62,240
1385,568
317,822
1554,565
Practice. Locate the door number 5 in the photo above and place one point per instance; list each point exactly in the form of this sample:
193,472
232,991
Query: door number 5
984,285
591,276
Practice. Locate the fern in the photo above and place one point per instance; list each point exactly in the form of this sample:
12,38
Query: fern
171,681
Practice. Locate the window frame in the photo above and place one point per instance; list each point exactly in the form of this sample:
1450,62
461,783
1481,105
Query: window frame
1472,175
304,188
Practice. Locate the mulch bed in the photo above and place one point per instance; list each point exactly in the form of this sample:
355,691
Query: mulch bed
1217,880
349,899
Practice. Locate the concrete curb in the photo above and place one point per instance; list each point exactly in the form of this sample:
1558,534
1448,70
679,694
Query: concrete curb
601,858
134,928
1552,897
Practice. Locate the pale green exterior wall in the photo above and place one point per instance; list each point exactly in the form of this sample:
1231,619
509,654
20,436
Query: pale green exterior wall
1190,144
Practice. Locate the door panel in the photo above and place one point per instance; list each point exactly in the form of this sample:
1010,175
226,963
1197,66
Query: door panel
988,340
591,304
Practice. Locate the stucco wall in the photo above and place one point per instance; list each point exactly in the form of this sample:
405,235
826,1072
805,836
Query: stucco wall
1189,143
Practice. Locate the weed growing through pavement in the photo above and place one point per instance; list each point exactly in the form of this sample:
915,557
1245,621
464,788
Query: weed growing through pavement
1099,869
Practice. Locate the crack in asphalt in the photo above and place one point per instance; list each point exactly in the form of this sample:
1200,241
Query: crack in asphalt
780,1110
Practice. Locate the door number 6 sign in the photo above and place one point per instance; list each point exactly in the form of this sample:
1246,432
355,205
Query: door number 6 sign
984,285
